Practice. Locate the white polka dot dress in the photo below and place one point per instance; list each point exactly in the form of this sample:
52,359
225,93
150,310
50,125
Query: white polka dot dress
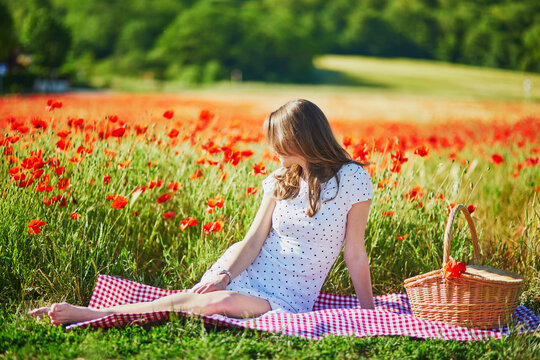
299,251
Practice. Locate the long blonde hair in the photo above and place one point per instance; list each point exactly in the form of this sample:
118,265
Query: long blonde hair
300,128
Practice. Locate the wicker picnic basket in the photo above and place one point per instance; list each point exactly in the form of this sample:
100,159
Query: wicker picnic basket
482,297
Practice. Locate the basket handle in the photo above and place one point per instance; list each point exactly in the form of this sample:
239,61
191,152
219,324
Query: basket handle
448,233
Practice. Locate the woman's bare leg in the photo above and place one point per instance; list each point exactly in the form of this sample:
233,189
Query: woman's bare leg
224,302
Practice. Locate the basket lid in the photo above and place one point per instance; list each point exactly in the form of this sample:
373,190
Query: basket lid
493,274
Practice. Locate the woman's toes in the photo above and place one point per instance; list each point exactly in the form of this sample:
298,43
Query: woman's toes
39,312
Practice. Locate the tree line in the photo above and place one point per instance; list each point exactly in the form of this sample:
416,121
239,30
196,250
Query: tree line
269,40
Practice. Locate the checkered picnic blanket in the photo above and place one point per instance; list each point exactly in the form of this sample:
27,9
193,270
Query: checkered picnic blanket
332,315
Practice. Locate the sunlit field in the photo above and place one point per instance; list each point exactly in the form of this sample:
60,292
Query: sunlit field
153,188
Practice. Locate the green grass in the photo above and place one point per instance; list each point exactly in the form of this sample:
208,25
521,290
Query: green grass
357,75
190,338
431,78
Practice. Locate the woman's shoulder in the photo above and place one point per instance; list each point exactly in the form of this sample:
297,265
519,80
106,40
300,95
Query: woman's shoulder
353,169
270,180
278,171
356,184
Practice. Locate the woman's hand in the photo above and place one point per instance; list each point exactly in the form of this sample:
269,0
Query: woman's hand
219,283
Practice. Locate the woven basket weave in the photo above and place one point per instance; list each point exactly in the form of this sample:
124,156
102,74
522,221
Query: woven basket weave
482,297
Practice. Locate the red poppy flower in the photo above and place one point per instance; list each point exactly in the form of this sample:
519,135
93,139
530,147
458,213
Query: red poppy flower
39,123
75,216
111,197
197,174
454,269
119,202
53,104
531,161
218,201
246,153
62,184
61,200
402,237
188,222
175,186
173,133
36,174
396,167
387,213
118,133
258,169
64,133
112,118
163,198
76,159
43,186
169,215
139,189
214,149
34,226
361,153
124,164
13,139
200,161
168,114
252,190
497,159
422,150
106,179
399,157
76,122
347,141
223,176
232,156
471,208
206,115
213,227
155,183
387,183
62,144
53,161
140,129
450,207
414,194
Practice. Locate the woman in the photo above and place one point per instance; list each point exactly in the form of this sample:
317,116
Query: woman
316,202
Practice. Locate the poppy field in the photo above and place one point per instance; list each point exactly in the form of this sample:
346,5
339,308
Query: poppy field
154,188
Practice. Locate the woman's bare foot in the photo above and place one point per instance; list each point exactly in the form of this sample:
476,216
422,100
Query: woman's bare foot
65,313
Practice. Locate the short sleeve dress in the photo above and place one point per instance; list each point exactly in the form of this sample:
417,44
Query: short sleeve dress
299,251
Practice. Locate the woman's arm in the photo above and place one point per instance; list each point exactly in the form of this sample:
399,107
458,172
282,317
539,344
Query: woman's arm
247,250
355,253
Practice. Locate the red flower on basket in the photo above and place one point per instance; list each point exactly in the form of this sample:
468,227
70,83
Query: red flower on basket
454,269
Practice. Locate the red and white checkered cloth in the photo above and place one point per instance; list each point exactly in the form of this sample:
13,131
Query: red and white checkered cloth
332,315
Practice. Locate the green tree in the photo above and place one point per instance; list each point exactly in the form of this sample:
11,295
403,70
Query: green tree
483,44
368,33
7,34
44,37
416,23
530,61
262,41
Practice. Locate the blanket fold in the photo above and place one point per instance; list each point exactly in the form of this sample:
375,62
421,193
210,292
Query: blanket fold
332,315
